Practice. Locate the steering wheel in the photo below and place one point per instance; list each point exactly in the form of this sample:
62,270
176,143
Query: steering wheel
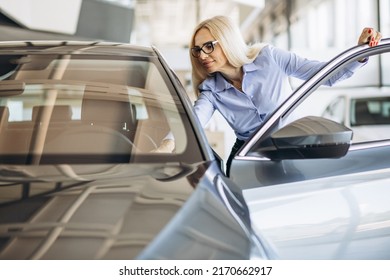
86,140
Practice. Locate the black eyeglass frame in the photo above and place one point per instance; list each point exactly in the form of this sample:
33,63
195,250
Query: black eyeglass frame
195,51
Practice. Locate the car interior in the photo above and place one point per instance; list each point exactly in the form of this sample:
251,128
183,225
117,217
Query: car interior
78,115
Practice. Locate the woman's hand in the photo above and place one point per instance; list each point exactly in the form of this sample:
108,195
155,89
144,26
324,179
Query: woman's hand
166,146
371,36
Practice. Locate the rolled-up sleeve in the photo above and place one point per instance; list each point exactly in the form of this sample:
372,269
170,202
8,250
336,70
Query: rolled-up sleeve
302,68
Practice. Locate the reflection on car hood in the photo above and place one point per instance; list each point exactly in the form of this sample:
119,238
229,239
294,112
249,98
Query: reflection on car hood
124,211
86,212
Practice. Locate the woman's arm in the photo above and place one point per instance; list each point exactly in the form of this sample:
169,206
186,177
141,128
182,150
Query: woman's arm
203,109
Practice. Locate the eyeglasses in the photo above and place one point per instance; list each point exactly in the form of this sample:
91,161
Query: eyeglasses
207,48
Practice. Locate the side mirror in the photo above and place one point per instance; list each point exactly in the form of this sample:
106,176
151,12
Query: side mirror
308,138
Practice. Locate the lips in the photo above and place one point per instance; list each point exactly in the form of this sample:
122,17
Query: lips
207,64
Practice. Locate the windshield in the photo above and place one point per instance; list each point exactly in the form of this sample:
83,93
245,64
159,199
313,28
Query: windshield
89,109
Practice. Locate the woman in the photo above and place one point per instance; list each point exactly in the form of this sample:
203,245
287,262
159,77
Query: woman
246,83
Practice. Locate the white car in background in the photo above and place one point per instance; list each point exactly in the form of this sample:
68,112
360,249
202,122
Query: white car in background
366,112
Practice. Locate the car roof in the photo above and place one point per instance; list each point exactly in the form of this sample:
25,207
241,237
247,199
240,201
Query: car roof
79,47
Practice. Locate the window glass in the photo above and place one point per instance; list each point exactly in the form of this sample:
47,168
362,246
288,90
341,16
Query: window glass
370,111
335,110
89,105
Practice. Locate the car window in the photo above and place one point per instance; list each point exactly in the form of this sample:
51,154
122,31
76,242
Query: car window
370,111
360,102
98,108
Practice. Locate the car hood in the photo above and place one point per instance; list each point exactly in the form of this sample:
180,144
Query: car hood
340,217
122,211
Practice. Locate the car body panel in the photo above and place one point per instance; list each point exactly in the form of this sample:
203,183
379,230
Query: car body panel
338,217
254,172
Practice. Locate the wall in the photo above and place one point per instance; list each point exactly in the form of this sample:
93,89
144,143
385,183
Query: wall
45,15
89,19
106,21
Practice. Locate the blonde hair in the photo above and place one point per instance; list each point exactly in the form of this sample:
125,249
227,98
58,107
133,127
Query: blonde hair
230,39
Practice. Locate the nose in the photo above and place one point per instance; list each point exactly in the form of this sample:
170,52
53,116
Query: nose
203,55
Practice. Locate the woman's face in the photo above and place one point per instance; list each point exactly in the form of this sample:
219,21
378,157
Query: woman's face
215,61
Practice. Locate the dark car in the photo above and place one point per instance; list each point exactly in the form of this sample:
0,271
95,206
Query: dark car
79,174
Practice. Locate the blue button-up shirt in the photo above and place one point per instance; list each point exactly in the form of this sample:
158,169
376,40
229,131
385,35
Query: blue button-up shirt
265,86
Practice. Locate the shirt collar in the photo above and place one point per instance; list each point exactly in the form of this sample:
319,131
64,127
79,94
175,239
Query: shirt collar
217,83
250,67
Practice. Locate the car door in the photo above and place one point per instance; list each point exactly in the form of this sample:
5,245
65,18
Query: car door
256,166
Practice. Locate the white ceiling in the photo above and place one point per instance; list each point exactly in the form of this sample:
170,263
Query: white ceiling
170,23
